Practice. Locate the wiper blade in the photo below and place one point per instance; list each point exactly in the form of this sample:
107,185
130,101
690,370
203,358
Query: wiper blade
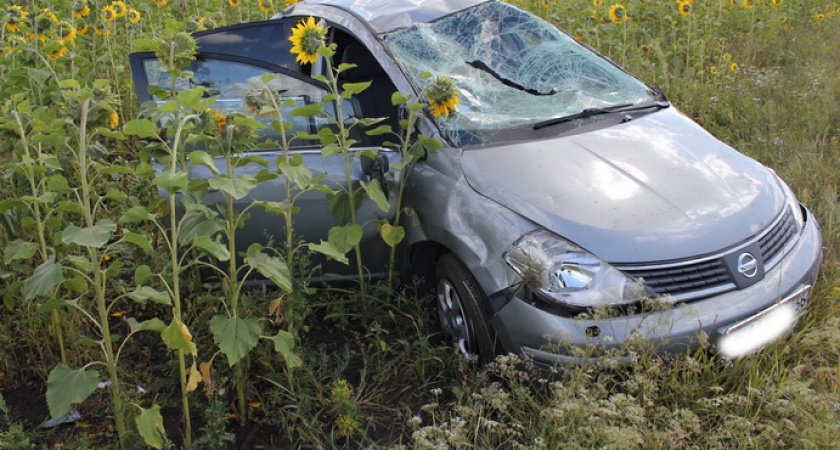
589,112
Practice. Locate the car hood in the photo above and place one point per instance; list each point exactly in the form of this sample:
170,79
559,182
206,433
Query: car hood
653,189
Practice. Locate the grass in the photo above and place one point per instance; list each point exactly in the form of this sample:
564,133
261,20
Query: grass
384,377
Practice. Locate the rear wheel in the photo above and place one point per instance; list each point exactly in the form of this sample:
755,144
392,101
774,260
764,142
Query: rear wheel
462,308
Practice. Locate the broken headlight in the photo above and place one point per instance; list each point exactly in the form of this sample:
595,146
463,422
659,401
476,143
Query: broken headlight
564,274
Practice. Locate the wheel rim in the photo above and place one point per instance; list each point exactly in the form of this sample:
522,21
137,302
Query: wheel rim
453,320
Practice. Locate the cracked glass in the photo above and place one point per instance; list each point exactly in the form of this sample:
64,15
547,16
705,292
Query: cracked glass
511,69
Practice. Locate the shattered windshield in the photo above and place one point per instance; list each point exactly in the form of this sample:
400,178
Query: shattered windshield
511,69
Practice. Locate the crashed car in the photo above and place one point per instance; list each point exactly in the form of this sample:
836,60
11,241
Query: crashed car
571,205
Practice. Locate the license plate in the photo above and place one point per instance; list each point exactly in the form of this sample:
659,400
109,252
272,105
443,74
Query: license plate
753,333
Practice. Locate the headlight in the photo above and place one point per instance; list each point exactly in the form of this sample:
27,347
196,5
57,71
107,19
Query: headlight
564,274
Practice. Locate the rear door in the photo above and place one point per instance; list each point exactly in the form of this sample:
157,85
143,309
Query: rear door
230,63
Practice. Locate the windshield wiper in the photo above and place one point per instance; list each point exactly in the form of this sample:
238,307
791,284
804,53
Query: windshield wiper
589,112
480,65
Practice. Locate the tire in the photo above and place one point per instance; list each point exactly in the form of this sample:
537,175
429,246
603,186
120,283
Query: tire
462,309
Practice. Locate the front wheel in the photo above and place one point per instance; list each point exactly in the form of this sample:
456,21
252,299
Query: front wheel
462,308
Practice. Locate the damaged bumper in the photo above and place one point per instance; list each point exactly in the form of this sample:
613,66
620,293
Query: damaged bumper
736,323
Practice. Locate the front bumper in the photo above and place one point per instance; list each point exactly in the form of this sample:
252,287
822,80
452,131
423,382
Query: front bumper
737,322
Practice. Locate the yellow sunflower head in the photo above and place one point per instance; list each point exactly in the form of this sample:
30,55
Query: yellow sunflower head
119,8
133,15
160,2
685,8
443,96
265,5
107,13
749,4
307,38
58,53
775,3
15,18
80,9
65,31
113,119
713,70
733,67
618,13
14,44
598,2
234,2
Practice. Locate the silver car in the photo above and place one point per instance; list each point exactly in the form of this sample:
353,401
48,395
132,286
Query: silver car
572,206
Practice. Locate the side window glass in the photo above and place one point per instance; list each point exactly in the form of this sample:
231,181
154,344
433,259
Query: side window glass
231,81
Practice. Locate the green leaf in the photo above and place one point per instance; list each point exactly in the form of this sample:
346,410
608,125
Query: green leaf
178,337
95,236
397,98
190,98
150,426
116,196
153,324
145,293
19,249
374,191
249,122
235,187
330,150
327,249
66,386
273,268
294,169
338,204
50,305
80,262
172,182
203,158
344,238
214,248
136,214
235,336
140,127
355,88
198,222
142,274
392,235
138,240
308,110
378,131
284,343
46,276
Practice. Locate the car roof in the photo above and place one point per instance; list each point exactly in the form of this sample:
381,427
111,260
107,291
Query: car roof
384,15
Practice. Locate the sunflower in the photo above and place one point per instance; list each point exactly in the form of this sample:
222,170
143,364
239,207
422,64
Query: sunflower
265,5
133,15
15,18
443,96
617,13
160,2
58,53
713,70
783,19
108,14
733,67
598,2
119,8
749,4
14,44
221,121
83,29
307,38
775,3
820,16
101,31
113,119
80,9
234,2
726,57
66,31
685,8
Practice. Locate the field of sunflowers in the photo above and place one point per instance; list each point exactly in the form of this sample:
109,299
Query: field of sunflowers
109,338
